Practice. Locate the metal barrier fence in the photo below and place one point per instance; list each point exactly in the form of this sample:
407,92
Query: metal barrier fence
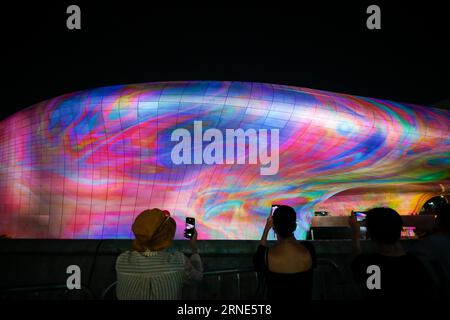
35,291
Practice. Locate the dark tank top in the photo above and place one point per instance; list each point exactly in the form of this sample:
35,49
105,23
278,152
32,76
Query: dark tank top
285,286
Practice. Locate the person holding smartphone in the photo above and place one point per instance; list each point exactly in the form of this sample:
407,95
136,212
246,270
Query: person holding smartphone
151,271
286,267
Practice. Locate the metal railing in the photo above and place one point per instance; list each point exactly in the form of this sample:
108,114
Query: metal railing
36,290
218,273
9,292
238,271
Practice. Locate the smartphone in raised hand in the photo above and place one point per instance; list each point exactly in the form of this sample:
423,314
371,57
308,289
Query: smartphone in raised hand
272,210
189,228
274,207
360,216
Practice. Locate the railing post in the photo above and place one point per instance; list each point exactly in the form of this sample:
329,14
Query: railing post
238,285
219,279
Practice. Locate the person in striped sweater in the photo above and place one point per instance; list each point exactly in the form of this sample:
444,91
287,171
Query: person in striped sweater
151,271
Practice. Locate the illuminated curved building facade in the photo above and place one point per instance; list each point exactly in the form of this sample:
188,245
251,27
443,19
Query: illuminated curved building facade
84,164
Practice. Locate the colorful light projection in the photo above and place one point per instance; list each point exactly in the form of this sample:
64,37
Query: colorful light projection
84,164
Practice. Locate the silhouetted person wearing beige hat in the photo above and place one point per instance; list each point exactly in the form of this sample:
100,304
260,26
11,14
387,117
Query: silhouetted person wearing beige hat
149,271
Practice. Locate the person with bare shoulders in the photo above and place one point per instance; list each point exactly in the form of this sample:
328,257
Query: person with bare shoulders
288,265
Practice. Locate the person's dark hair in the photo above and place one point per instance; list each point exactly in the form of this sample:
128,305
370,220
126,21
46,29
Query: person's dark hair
384,225
284,221
443,217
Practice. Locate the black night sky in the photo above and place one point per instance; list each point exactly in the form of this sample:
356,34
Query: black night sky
320,46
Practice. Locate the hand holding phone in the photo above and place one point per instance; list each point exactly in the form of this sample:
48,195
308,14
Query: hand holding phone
353,221
269,222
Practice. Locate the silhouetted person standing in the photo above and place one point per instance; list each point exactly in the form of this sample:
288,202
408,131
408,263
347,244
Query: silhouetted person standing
287,267
401,275
435,249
